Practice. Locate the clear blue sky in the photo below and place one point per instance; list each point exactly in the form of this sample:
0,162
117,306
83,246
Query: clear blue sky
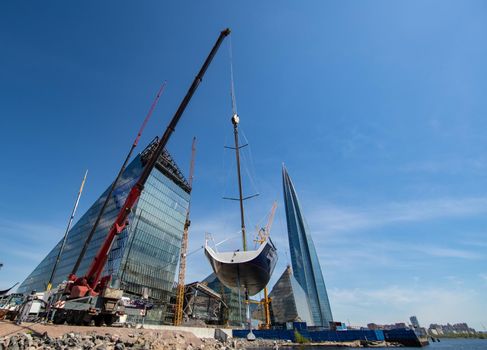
377,108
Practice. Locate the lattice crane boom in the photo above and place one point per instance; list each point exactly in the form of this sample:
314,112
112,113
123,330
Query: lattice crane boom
262,236
264,232
178,315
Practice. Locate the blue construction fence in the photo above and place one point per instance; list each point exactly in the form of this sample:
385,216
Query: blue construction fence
313,336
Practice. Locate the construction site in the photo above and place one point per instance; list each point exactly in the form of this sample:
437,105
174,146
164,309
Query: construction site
115,266
117,277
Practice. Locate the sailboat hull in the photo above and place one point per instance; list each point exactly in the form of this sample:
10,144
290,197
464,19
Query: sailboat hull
250,269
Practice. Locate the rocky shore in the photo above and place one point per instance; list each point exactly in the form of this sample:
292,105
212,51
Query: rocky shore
38,336
41,336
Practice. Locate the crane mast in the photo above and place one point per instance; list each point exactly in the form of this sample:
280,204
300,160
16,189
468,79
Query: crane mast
262,236
178,316
264,232
92,277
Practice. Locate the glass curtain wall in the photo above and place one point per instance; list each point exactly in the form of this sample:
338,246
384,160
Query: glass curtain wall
305,262
146,253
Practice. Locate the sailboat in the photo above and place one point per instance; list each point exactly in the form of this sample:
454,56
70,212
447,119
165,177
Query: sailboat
248,270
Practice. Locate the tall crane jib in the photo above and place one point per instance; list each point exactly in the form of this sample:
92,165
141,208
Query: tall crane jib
104,302
178,315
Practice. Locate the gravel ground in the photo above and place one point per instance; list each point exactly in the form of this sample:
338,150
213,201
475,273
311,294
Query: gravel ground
33,336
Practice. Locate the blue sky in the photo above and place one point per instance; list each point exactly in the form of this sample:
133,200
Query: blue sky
377,109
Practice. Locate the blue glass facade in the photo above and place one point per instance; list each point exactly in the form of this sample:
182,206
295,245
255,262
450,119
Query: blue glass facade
146,253
306,266
289,300
234,313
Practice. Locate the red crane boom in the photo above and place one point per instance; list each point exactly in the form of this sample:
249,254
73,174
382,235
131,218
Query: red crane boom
92,277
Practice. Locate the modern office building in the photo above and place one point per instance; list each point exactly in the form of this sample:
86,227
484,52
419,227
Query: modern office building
234,313
305,262
289,300
146,253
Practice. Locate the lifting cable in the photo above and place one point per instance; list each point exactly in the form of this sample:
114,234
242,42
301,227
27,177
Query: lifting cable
232,87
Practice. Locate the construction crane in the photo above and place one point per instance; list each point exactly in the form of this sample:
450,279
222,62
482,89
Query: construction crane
262,236
115,183
178,316
70,221
264,232
90,296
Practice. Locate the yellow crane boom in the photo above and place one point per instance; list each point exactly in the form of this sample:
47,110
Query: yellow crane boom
178,315
262,236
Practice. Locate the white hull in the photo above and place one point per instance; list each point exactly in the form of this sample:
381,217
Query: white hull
250,269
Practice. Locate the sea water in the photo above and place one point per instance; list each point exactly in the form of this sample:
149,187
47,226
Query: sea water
444,344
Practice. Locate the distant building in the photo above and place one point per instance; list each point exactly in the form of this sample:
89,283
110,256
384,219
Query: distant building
397,325
289,300
305,262
146,253
449,329
414,321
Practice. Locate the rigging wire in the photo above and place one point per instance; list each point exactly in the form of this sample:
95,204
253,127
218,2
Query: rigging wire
250,163
216,244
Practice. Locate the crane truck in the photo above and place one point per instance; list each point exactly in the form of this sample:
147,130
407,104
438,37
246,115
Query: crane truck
90,297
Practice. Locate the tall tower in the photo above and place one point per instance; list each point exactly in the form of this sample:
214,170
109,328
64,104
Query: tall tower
306,266
145,254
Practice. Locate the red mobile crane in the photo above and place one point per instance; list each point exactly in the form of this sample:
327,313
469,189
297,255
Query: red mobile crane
90,296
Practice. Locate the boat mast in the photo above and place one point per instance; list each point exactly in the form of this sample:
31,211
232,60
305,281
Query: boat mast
235,121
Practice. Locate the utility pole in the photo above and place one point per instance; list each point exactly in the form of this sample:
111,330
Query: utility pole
178,316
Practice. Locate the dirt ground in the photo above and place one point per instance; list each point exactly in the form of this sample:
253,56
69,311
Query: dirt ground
8,328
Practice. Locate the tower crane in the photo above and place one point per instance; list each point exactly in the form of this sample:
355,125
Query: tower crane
178,315
264,232
262,236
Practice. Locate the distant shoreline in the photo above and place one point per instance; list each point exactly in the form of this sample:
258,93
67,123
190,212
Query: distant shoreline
461,336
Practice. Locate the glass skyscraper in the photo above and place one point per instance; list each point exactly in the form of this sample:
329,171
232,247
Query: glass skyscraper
306,266
146,253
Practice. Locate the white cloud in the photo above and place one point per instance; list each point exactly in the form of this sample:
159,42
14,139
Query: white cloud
446,166
32,231
450,253
331,218
396,303
23,245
